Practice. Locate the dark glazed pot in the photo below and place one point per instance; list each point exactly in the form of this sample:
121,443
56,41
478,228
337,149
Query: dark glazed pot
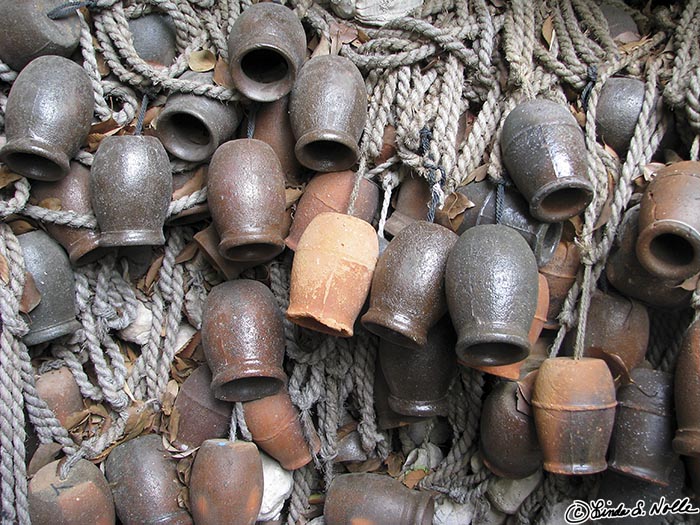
191,127
328,111
491,283
387,418
273,127
686,392
28,33
47,118
247,200
560,273
226,484
408,290
628,276
619,21
375,499
419,378
154,37
619,106
411,205
641,441
201,415
144,482
543,237
330,192
574,406
82,497
266,48
82,244
508,443
615,326
545,154
668,245
208,242
276,428
243,341
48,264
131,187
62,394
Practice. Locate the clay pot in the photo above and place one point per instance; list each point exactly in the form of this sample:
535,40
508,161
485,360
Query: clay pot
560,273
201,415
619,22
191,126
668,245
387,418
408,292
411,205
615,326
330,192
208,242
196,213
540,319
508,437
275,426
375,499
332,273
419,378
686,391
388,149
328,111
48,264
543,237
61,393
154,38
266,48
144,482
131,187
247,200
226,484
47,118
243,341
625,273
29,33
619,106
273,127
574,407
545,154
491,283
82,497
350,449
641,441
73,192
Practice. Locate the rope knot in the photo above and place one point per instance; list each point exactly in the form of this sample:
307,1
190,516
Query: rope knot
592,79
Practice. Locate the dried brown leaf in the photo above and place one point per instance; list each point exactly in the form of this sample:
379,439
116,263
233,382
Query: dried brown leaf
51,203
201,61
31,297
690,283
413,477
21,226
141,417
323,48
168,401
187,253
7,177
452,213
371,465
222,75
195,183
4,270
548,30
394,462
152,273
105,127
292,195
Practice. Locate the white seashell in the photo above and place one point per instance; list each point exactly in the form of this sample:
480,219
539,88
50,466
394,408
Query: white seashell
277,484
379,12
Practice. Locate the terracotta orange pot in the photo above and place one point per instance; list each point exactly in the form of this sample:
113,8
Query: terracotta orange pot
560,273
686,393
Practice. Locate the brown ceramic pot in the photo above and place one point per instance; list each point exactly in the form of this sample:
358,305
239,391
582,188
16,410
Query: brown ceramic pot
545,153
641,441
73,192
419,378
82,497
61,393
628,276
191,126
509,444
208,242
619,21
226,484
200,415
411,204
330,192
243,341
328,111
668,245
574,406
144,482
275,426
266,47
155,39
387,418
491,283
686,392
408,292
375,499
619,105
131,186
47,117
560,273
247,201
332,273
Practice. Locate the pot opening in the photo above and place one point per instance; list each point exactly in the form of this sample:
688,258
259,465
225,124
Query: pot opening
493,354
564,203
34,166
188,128
672,250
264,66
255,252
328,154
248,388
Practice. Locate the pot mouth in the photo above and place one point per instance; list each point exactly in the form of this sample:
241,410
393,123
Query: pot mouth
575,469
242,389
669,250
419,408
319,323
35,159
639,472
561,200
258,247
264,73
504,473
687,442
186,135
115,239
396,328
496,349
87,250
42,335
327,150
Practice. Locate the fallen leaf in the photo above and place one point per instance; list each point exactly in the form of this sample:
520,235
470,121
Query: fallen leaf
152,273
323,48
106,126
188,351
194,183
201,61
7,177
690,284
141,416
31,297
4,270
21,226
222,75
51,203
413,477
292,195
452,213
371,465
168,400
477,175
187,253
394,463
548,31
